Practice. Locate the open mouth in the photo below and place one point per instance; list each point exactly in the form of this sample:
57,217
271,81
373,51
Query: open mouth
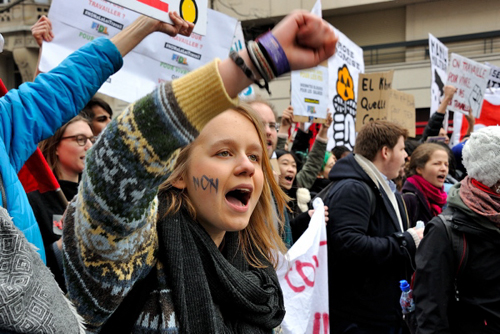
239,197
289,178
441,178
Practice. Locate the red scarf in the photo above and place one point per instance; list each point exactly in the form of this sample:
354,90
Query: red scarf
436,197
480,199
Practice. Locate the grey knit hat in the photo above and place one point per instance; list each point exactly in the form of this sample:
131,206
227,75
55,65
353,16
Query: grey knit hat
481,155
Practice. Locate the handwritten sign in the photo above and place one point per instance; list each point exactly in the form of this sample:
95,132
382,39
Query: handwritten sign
194,11
378,101
494,80
470,78
303,276
438,55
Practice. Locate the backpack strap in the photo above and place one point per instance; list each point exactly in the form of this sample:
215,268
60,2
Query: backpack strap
2,191
327,192
460,247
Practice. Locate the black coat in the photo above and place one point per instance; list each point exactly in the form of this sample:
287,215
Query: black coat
367,255
416,204
478,308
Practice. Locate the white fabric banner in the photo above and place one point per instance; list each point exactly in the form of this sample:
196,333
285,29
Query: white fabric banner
157,58
303,275
344,69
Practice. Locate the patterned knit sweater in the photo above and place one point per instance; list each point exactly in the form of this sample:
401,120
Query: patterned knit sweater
110,240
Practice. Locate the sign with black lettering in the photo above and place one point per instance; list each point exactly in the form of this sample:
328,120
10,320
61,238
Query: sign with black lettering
470,78
377,100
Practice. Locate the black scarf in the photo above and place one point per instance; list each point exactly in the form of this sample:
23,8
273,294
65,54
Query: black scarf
249,300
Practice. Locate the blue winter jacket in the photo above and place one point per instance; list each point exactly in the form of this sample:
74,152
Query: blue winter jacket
37,109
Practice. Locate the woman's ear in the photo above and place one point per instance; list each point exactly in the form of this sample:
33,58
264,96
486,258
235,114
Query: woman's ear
419,170
180,183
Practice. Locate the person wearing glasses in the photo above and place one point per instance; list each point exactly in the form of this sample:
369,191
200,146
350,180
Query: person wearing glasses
65,154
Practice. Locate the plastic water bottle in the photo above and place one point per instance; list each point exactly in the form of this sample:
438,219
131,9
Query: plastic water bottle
406,300
420,224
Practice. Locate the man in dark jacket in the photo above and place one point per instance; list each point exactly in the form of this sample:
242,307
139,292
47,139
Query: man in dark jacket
369,246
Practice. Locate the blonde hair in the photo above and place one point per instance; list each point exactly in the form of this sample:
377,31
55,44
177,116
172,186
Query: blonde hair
260,236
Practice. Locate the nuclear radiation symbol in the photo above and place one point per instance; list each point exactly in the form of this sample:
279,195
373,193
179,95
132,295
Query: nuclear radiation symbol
345,107
189,10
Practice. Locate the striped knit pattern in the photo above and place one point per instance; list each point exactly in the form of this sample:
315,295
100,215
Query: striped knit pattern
110,238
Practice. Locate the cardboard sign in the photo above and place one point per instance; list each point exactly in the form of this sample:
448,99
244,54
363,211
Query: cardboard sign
156,59
470,78
194,11
378,101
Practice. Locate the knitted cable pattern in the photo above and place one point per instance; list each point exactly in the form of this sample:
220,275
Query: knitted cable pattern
110,239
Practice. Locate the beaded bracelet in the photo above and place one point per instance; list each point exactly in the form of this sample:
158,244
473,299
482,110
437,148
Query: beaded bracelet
247,71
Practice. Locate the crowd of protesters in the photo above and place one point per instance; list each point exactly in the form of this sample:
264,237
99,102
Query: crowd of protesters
179,205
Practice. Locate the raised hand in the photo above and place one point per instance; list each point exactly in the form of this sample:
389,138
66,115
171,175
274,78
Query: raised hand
306,39
42,30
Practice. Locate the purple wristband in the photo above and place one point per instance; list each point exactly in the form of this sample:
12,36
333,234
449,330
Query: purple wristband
275,52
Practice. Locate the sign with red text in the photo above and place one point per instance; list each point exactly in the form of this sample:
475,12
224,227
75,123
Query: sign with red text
156,59
471,79
379,101
194,11
303,276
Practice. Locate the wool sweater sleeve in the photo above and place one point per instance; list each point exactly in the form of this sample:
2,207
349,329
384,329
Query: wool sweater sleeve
110,239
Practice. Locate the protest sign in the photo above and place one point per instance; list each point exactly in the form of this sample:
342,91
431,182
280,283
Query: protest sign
438,55
344,69
490,115
156,59
378,101
470,78
309,89
494,79
194,11
303,276
310,94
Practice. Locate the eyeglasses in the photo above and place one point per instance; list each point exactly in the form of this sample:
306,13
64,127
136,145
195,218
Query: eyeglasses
81,139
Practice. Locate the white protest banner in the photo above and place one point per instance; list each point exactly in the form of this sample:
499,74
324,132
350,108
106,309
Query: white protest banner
303,276
310,89
470,78
494,79
438,54
156,59
344,69
194,11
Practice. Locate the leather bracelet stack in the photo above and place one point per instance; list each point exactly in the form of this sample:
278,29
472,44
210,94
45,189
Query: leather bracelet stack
267,56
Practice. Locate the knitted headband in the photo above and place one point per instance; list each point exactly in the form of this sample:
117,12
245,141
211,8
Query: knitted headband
481,155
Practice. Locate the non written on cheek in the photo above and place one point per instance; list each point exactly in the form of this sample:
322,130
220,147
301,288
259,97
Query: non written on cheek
206,183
